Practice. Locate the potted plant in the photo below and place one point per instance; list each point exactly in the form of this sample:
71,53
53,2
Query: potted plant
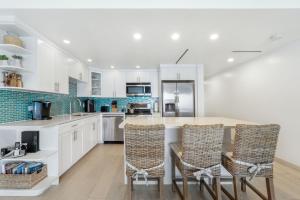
17,61
3,60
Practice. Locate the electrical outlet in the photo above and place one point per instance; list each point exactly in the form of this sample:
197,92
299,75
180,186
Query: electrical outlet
30,108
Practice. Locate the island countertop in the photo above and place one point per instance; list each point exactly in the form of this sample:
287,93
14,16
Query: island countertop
177,122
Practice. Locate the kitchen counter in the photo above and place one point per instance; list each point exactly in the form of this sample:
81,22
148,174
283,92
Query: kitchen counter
56,120
176,122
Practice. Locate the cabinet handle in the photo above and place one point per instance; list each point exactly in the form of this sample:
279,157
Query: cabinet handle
74,136
94,126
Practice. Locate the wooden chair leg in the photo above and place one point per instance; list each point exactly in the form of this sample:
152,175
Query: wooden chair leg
217,188
185,188
270,189
243,184
129,187
161,188
236,187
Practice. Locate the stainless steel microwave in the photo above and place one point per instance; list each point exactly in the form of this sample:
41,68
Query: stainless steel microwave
138,89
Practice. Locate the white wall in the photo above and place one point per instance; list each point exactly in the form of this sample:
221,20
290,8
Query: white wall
265,90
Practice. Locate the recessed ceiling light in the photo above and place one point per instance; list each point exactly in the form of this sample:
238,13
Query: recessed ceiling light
137,36
40,41
175,36
70,60
112,66
214,36
137,66
89,60
67,41
230,60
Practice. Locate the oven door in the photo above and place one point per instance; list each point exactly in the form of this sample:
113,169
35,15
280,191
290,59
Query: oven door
135,90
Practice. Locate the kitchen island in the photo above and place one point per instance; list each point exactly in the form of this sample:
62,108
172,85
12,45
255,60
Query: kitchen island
173,130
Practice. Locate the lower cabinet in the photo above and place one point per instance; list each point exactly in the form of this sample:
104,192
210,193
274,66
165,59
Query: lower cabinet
75,140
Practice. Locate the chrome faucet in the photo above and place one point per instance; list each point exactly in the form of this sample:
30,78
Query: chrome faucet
80,104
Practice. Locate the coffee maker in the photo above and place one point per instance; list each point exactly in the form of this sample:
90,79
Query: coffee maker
89,106
41,110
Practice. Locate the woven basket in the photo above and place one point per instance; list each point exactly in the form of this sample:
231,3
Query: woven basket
22,181
9,39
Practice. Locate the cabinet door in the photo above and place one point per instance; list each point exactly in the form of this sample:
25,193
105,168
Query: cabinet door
96,86
120,83
145,76
65,152
108,84
168,73
187,72
45,66
154,83
132,76
61,73
77,147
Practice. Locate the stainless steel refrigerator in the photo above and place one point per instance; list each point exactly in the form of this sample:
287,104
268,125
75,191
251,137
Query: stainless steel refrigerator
178,98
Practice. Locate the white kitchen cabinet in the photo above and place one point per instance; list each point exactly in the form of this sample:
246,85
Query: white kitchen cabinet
75,140
178,72
65,159
61,80
113,83
77,145
45,63
78,71
52,69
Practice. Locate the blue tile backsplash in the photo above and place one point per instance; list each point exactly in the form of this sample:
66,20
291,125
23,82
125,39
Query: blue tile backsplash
14,103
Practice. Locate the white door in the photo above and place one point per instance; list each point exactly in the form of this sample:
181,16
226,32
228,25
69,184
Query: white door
168,73
187,72
120,83
77,144
108,84
45,66
132,76
65,152
61,73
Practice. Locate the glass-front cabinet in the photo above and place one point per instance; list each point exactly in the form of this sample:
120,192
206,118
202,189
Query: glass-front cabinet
96,83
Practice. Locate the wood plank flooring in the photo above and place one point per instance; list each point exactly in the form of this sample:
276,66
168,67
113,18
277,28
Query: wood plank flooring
99,176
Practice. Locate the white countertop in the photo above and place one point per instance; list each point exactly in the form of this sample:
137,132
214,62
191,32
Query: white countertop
56,120
176,122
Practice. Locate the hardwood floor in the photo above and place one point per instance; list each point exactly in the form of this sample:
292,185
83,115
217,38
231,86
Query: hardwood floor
99,176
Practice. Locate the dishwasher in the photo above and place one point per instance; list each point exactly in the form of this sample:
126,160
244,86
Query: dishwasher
112,134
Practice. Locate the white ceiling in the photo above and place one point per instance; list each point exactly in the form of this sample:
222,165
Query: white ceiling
106,35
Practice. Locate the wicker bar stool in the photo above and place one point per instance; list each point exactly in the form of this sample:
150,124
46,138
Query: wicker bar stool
144,149
198,156
252,156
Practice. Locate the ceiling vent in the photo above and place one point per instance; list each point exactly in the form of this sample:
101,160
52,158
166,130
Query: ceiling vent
247,51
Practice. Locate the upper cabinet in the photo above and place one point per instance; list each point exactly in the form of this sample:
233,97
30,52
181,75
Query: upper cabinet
52,69
113,83
78,71
178,72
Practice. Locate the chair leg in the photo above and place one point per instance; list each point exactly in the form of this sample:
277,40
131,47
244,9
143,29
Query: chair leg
270,188
217,188
129,187
173,171
161,188
201,183
236,188
185,188
243,184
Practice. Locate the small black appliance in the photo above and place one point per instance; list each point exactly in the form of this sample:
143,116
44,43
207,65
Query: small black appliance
41,110
105,108
89,106
32,139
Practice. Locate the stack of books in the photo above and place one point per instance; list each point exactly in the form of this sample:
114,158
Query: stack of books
20,167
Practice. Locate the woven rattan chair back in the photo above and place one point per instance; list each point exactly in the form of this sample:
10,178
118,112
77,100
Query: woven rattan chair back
256,143
202,144
144,145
